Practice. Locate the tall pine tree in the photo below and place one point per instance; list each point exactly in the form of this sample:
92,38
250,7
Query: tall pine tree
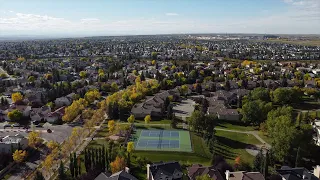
61,175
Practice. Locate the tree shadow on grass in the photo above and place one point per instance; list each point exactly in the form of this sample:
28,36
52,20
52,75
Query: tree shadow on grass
224,144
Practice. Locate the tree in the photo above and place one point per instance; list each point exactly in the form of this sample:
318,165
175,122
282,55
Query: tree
16,97
153,62
34,138
111,125
53,145
15,115
48,162
83,74
19,156
147,119
255,112
131,119
184,89
118,164
38,176
282,131
258,162
114,87
61,174
260,93
92,95
195,120
31,79
130,147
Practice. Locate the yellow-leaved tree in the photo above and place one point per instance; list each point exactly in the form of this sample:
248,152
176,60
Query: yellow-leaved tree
92,95
111,125
131,119
153,62
34,138
16,97
130,147
53,145
19,156
147,119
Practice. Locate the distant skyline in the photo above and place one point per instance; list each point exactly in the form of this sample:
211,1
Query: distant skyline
69,18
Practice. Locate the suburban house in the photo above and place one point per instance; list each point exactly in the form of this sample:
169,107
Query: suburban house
164,171
56,115
299,173
153,106
198,170
37,114
316,127
10,143
219,105
243,175
121,175
62,101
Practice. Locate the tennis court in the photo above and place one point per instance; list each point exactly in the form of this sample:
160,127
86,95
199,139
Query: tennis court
163,140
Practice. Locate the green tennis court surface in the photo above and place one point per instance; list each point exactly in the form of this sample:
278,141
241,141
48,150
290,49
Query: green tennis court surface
163,140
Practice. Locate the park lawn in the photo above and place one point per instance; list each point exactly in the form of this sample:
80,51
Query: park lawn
265,137
230,145
231,125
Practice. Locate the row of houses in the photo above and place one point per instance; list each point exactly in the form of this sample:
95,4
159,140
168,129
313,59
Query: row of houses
9,143
173,171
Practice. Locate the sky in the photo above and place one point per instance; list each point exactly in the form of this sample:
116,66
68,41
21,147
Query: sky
133,17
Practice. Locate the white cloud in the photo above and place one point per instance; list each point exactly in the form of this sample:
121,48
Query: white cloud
172,14
11,11
90,20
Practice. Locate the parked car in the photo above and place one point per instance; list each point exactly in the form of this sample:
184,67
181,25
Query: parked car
16,125
39,125
7,125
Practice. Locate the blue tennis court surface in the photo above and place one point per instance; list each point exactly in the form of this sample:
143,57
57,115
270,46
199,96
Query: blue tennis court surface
163,140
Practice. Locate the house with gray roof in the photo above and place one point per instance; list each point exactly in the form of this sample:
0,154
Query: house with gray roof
121,175
164,171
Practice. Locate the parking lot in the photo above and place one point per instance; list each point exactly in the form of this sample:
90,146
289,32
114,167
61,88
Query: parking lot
59,132
184,109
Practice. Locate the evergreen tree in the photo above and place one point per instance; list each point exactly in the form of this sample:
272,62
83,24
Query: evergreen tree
79,166
38,176
170,112
61,175
103,158
71,165
266,165
93,160
258,162
106,159
75,165
142,77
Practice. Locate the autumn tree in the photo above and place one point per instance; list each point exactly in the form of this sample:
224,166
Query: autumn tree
114,87
48,162
16,97
118,164
130,147
72,111
111,125
34,138
184,89
53,145
92,95
147,119
131,119
153,62
19,156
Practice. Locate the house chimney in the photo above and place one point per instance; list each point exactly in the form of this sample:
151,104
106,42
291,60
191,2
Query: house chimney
316,171
127,170
227,174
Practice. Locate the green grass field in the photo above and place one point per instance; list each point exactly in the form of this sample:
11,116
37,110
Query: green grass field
234,126
230,145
